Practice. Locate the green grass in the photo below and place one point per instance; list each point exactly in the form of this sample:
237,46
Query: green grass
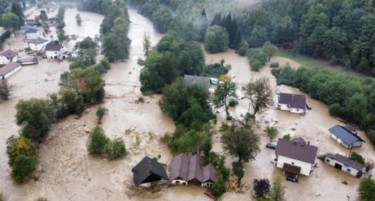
303,60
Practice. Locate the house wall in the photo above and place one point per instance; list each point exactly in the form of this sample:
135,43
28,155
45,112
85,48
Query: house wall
52,54
177,181
3,60
297,111
37,47
306,168
283,106
32,35
344,168
12,72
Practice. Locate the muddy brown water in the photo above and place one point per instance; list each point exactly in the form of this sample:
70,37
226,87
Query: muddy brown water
67,172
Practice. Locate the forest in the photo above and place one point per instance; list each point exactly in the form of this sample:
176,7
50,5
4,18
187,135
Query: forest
340,32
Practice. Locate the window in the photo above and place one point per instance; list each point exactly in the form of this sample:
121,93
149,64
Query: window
328,160
348,170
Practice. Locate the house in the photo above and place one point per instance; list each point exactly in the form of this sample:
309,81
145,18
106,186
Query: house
184,169
345,164
8,56
37,44
345,137
9,69
148,171
53,50
295,103
31,33
295,158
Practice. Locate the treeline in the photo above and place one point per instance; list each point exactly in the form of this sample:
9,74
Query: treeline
11,18
114,28
60,24
348,97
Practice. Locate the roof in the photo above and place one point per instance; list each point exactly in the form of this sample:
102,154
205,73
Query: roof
31,30
299,140
37,40
298,151
8,68
345,135
9,54
179,167
148,170
193,79
293,100
195,169
209,173
53,46
346,161
291,169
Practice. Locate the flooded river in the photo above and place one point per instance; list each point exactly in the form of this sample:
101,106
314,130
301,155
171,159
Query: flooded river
67,172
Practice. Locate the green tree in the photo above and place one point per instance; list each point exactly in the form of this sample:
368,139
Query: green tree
116,43
161,19
241,142
70,103
222,94
277,190
100,112
87,43
11,21
238,170
260,95
16,9
216,39
366,189
97,141
35,116
219,187
269,49
115,149
78,20
146,43
4,89
357,157
271,132
244,46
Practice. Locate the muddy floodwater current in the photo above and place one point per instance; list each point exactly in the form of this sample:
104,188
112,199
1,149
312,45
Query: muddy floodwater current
67,172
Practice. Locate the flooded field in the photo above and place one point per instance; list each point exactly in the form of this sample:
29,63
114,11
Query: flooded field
67,172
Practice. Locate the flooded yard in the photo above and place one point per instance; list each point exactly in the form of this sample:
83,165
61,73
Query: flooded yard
69,173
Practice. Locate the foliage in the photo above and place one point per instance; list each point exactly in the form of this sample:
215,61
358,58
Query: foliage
219,187
11,21
277,192
78,20
70,103
257,58
100,112
23,156
42,199
274,65
244,46
348,97
97,141
357,157
87,43
260,95
222,93
269,49
233,102
35,116
4,90
60,24
366,189
115,149
146,44
215,70
261,187
216,39
238,170
231,25
241,142
287,137
271,132
161,19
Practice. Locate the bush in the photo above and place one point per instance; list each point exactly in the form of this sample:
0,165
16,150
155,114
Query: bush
238,170
274,65
233,102
287,137
23,156
115,149
255,65
257,58
100,112
219,187
97,141
261,187
41,199
357,157
367,189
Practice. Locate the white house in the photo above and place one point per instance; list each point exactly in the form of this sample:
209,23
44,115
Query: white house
9,69
31,33
345,164
37,44
53,50
295,157
295,103
345,137
8,56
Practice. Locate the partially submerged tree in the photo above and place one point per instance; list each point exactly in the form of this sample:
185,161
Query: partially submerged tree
4,90
278,190
241,142
216,39
260,95
97,141
261,187
269,49
222,94
78,20
100,112
366,189
271,132
146,43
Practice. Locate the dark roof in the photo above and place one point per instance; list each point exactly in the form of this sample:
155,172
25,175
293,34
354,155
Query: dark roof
291,169
193,79
179,167
148,170
53,46
293,100
8,68
209,173
31,30
37,40
9,54
302,152
345,135
195,169
346,161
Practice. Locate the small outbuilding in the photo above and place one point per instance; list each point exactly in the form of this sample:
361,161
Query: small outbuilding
345,164
37,44
8,56
148,171
294,103
9,69
345,137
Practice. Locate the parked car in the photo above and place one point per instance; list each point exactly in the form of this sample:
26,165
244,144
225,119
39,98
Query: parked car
292,178
271,146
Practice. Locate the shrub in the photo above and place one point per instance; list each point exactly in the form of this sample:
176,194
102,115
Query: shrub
219,187
287,137
256,65
367,189
97,141
261,187
274,65
115,149
100,112
357,157
41,199
238,170
233,102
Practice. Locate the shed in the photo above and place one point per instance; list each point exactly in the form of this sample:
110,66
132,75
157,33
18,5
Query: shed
345,164
9,69
345,137
148,170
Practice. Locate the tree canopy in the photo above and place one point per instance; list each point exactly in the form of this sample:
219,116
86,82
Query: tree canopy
216,39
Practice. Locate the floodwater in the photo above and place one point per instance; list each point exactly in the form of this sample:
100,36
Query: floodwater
67,172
